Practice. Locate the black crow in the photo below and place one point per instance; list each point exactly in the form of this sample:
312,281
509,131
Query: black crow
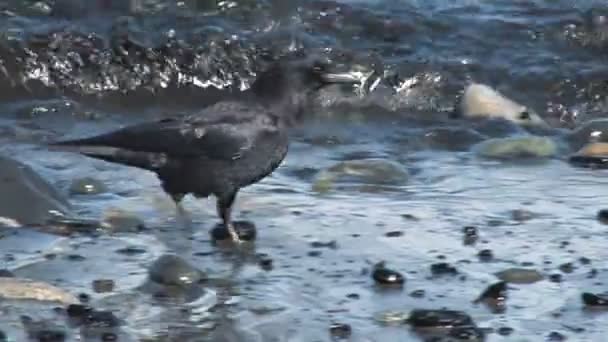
224,147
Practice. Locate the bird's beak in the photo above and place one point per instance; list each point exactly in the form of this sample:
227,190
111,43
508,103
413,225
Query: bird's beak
340,78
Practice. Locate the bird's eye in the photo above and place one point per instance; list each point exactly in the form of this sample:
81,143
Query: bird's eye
525,115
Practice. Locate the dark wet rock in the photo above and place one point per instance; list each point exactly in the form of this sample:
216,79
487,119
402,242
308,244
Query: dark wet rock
386,276
245,229
470,333
494,296
120,221
584,260
485,255
395,233
592,162
103,285
453,138
87,186
519,276
443,268
593,131
314,254
43,331
591,299
265,262
131,250
364,172
418,294
555,278
423,318
26,289
353,296
32,200
522,215
85,315
84,298
592,273
567,267
330,244
340,331
505,331
517,147
554,336
602,216
3,337
172,270
75,257
470,235
6,273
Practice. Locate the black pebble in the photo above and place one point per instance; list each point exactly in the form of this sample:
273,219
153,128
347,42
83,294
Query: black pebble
318,244
594,300
340,330
467,333
84,298
265,262
443,268
485,255
505,331
245,229
353,296
584,260
387,276
602,216
75,257
554,336
495,296
567,267
417,294
314,253
395,233
423,318
131,251
556,278
171,269
77,310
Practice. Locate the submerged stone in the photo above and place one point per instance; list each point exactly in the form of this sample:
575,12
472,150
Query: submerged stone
443,268
87,186
494,296
517,147
340,330
103,285
386,276
591,299
172,270
121,221
246,231
602,216
423,318
594,155
590,132
519,276
27,289
452,139
372,172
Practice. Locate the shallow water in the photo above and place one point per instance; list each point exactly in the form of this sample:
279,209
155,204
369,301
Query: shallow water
66,76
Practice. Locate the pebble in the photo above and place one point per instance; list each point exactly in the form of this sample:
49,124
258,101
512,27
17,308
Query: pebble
386,276
467,333
331,244
602,216
131,250
470,235
108,337
395,233
567,267
424,318
265,262
443,268
87,186
245,229
418,294
170,269
485,255
122,221
85,315
505,331
340,330
591,299
103,285
555,278
22,288
84,298
554,336
495,296
519,276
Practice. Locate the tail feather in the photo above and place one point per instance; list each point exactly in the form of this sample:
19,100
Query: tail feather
88,147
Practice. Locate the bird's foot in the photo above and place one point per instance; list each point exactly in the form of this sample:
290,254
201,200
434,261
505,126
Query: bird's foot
242,231
233,234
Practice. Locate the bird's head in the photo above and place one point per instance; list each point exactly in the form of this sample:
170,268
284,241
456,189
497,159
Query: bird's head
289,81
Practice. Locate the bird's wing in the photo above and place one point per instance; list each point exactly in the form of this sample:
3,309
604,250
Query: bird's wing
224,131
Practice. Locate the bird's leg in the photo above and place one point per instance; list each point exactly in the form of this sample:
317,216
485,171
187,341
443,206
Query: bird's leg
177,199
224,210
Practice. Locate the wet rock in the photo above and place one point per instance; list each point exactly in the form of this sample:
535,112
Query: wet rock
522,215
517,147
470,333
75,257
330,244
84,298
494,296
480,100
591,299
265,262
85,315
519,276
505,331
554,336
121,221
370,172
340,331
602,216
443,268
470,235
453,139
245,229
172,270
594,155
43,331
423,318
103,285
387,277
32,200
590,132
26,289
555,278
87,186
567,267
3,337
314,254
418,294
6,273
395,233
131,250
485,255
584,261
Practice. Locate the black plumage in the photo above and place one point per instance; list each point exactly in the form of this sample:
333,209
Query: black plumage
224,147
